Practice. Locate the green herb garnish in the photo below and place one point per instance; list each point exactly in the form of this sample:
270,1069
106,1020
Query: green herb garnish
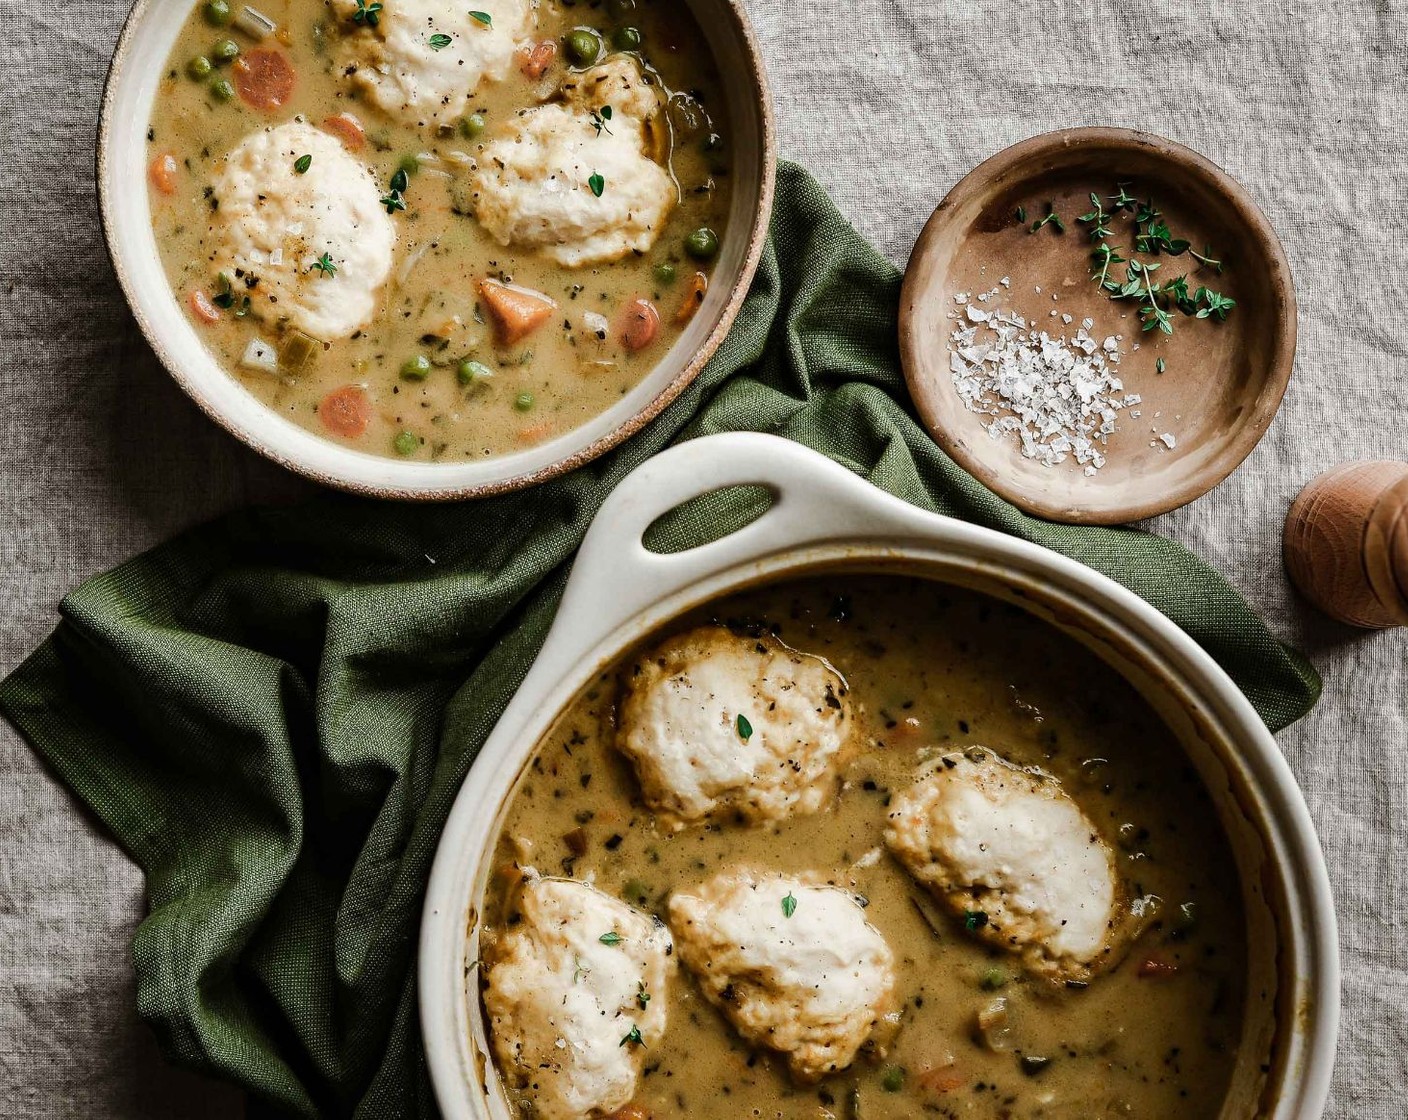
302,164
482,17
599,119
394,202
438,41
1021,215
1052,218
400,180
974,919
745,729
633,1036
611,938
597,184
1160,366
324,265
789,905
370,14
642,996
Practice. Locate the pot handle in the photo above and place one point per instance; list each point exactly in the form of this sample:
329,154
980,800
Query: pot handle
815,500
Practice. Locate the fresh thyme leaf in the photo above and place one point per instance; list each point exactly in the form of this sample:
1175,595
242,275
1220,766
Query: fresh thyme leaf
599,119
974,919
400,181
1123,200
597,184
439,41
580,971
633,1036
1215,304
1022,215
642,996
611,938
482,17
394,202
302,164
1159,366
1052,218
745,729
789,905
324,265
606,112
370,14
1206,258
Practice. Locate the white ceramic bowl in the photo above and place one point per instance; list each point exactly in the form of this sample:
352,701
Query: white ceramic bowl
137,68
823,517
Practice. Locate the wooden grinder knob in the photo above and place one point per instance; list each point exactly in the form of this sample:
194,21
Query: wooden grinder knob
1346,543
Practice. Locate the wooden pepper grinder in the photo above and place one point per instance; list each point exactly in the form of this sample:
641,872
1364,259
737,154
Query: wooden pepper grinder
1346,543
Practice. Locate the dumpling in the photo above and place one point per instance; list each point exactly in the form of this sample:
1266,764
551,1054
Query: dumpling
793,966
721,724
312,248
565,179
1013,855
576,995
424,59
618,83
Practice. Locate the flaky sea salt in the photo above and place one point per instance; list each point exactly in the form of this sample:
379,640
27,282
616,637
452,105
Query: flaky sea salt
1058,396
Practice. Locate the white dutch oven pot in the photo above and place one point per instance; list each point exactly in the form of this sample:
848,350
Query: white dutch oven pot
823,517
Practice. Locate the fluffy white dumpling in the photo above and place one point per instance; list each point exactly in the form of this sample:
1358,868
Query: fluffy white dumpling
403,68
580,191
1012,853
572,1016
274,224
793,966
721,724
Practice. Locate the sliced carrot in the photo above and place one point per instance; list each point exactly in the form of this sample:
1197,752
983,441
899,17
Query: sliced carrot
348,129
202,308
1156,968
346,412
535,432
638,324
534,61
517,312
940,1081
163,172
264,78
694,291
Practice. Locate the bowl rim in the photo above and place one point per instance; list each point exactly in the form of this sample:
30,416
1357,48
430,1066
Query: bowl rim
615,597
1250,427
254,435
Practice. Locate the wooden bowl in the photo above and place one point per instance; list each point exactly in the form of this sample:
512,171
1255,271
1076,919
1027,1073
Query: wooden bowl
1221,382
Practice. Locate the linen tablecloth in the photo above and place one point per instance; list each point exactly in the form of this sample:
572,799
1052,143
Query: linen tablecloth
887,102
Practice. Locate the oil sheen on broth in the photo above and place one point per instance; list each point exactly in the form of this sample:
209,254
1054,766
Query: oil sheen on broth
611,232
929,671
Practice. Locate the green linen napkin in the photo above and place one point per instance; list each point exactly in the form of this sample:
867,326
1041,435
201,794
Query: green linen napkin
272,713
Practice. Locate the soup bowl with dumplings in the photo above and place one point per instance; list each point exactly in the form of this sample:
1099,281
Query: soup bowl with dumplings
429,251
857,810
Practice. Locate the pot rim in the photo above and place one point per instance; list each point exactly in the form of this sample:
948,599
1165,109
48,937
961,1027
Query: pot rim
220,396
824,516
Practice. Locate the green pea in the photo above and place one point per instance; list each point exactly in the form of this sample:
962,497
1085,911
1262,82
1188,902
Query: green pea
217,12
409,164
471,126
416,369
702,244
993,978
226,50
524,401
583,45
893,1080
470,371
626,39
199,68
406,443
222,89
665,272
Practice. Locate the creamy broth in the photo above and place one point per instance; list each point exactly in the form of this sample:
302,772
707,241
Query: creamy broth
930,669
429,377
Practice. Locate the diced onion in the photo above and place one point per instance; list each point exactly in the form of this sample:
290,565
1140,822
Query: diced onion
259,355
254,23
